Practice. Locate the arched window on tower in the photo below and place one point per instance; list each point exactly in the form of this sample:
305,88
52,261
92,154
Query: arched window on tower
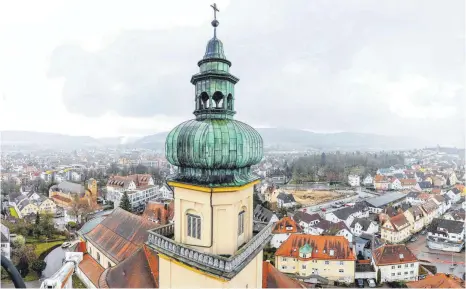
230,102
218,98
204,100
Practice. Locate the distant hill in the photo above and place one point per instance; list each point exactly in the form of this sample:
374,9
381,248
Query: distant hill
278,138
274,138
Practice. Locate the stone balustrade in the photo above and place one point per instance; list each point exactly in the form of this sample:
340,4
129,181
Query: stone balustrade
160,243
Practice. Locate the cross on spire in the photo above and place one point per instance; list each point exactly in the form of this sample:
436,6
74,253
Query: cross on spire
214,6
215,22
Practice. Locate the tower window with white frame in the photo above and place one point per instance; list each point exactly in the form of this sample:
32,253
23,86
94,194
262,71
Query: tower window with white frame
194,226
241,223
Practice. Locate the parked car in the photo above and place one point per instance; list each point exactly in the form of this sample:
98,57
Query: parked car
413,239
371,283
360,283
423,232
66,245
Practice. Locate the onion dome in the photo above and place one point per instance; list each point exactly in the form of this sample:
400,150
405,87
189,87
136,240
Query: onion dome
214,149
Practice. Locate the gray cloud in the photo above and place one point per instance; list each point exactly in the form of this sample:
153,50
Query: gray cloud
297,63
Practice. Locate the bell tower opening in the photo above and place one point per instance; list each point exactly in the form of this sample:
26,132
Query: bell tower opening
218,99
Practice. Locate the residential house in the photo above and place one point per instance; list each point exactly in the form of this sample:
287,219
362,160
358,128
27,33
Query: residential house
415,216
5,241
381,183
443,202
454,194
306,220
166,193
140,189
394,184
271,194
365,244
396,263
368,180
438,181
385,171
285,200
347,214
330,257
412,198
25,208
363,225
264,215
446,235
430,209
325,227
45,205
354,180
396,229
282,231
272,278
456,215
425,186
439,280
158,212
410,184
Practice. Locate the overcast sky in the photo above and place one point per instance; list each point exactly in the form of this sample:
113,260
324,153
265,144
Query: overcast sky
111,68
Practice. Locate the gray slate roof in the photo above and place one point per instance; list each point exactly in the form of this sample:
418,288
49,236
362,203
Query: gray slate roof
345,212
305,217
262,214
365,223
286,198
439,226
384,200
70,187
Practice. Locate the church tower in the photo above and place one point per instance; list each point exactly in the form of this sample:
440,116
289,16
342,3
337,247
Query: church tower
211,242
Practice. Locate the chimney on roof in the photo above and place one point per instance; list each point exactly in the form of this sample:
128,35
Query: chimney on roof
401,256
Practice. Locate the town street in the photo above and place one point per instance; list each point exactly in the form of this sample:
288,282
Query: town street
441,259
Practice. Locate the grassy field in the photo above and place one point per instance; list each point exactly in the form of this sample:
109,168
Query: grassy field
77,283
13,212
36,240
42,247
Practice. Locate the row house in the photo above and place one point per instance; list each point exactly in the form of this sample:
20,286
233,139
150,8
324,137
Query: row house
325,227
396,263
381,183
347,214
415,216
330,257
363,226
306,220
443,202
454,194
430,209
410,184
396,229
282,230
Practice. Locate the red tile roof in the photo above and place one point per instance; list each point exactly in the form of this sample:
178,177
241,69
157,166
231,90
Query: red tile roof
408,182
286,225
393,254
61,198
439,280
81,247
140,270
120,234
399,221
159,211
91,269
321,247
272,278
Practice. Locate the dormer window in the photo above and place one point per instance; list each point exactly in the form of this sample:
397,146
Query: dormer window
332,252
289,228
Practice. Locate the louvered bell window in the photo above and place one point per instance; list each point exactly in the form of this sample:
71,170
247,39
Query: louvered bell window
194,226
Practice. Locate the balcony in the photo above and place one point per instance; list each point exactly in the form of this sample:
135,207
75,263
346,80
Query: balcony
225,267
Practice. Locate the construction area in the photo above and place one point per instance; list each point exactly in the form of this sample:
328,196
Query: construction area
309,197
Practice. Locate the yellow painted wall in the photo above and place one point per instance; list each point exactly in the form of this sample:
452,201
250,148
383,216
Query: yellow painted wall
173,274
104,260
226,207
330,271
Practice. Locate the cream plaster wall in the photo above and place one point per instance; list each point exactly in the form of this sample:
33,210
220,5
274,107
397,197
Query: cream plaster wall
104,260
172,274
226,206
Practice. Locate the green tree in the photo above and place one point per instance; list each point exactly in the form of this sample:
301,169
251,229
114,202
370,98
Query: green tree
379,276
37,219
125,204
38,266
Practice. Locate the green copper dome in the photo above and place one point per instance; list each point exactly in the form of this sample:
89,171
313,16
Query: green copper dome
214,149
